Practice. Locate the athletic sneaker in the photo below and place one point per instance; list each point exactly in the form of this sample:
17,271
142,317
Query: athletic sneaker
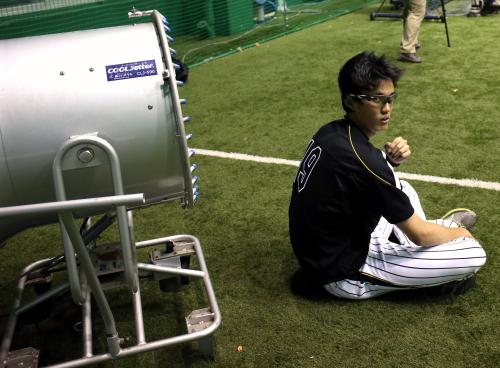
462,217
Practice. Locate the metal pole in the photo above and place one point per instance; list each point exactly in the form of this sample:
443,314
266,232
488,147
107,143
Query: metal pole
87,323
445,23
170,270
74,205
86,309
93,282
114,162
284,14
45,296
11,323
136,297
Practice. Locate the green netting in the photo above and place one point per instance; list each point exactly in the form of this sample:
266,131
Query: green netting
434,7
203,29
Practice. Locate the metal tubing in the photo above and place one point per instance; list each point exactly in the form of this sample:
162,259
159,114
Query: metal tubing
45,296
206,280
169,341
11,323
445,23
71,267
73,205
93,281
170,270
201,261
87,324
114,161
139,321
164,342
136,349
128,251
136,297
86,308
157,17
152,242
69,251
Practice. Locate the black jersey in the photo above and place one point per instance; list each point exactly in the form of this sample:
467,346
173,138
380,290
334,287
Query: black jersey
343,186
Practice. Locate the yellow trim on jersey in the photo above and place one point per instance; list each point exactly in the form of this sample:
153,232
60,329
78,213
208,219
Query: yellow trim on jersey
375,277
360,160
385,281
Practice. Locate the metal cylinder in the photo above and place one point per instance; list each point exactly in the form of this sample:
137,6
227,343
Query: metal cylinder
107,81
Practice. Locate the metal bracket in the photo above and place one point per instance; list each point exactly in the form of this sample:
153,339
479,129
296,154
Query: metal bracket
175,255
22,358
200,320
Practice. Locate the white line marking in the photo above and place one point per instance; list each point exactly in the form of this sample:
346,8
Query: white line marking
245,157
471,183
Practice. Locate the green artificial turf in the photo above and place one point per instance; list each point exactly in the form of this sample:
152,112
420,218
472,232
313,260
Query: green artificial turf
268,101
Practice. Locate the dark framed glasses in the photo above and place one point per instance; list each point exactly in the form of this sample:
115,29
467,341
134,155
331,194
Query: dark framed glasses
377,98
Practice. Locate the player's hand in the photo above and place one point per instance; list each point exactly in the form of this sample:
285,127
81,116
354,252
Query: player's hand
397,151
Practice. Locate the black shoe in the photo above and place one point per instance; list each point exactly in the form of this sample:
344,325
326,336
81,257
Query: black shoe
459,287
412,58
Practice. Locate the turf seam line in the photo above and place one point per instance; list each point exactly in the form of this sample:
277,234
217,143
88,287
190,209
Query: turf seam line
471,183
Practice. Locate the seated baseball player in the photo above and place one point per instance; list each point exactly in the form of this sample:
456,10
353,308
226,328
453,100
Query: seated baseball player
356,229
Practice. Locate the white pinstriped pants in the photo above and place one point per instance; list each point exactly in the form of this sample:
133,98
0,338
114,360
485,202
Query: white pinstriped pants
408,265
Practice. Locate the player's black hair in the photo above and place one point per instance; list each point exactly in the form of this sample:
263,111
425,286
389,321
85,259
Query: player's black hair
363,73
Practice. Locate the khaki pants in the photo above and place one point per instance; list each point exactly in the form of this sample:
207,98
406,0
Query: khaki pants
413,15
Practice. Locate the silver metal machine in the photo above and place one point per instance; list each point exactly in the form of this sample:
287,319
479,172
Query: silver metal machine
91,124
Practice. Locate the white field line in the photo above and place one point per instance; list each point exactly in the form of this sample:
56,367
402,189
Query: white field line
472,183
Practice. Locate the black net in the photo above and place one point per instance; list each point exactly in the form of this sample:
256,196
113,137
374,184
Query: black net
203,29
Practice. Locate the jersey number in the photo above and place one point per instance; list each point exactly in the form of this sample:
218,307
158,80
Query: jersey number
307,165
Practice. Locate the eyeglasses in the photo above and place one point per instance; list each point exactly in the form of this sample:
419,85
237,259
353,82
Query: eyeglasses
377,98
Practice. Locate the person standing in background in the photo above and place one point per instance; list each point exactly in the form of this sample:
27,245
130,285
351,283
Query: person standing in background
414,13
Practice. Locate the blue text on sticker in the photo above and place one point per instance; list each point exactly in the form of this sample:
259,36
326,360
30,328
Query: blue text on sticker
136,69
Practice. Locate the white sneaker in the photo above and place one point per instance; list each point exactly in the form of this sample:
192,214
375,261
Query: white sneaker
462,217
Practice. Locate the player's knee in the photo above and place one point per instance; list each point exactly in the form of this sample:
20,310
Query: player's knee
479,258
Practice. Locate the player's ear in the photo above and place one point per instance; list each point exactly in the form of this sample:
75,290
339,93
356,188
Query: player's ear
350,102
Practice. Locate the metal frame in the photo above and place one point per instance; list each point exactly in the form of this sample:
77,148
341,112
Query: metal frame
83,287
83,278
206,329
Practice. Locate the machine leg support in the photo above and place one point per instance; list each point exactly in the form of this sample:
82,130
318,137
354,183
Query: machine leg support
22,358
113,345
197,321
207,347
